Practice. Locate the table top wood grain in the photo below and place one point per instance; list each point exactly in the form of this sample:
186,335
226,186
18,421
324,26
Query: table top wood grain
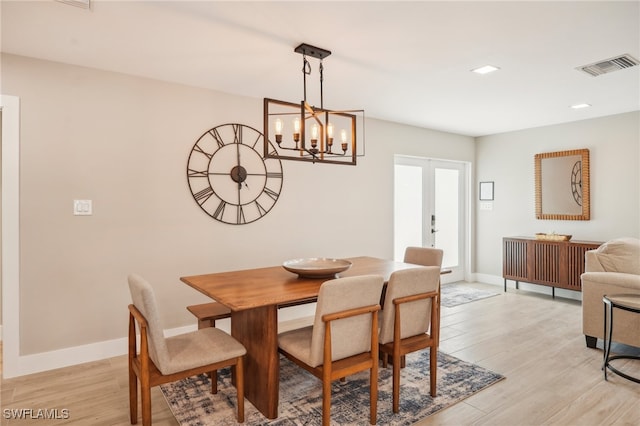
252,288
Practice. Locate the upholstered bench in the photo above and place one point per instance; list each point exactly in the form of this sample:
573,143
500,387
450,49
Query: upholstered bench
208,313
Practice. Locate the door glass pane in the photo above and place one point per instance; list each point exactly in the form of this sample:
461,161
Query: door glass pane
407,208
447,212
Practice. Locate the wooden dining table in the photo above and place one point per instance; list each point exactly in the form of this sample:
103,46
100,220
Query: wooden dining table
253,296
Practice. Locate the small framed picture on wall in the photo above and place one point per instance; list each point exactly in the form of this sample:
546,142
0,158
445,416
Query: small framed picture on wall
486,191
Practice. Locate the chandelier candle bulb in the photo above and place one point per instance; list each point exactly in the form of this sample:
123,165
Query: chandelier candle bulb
296,130
279,126
329,135
343,138
314,135
330,130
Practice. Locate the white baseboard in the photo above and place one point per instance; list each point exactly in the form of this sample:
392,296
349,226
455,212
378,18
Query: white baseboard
489,279
36,363
297,317
44,361
534,288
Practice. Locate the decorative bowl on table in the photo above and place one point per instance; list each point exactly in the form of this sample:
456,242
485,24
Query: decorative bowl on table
552,237
316,267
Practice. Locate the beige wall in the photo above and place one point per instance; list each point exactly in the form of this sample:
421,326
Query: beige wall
0,217
508,159
123,142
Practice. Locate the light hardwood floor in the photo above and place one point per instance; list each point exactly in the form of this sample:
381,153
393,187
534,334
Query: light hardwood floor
552,378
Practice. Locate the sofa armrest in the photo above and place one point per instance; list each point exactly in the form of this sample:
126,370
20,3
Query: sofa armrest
616,281
595,285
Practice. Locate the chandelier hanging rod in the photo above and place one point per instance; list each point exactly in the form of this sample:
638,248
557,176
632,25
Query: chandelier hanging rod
317,52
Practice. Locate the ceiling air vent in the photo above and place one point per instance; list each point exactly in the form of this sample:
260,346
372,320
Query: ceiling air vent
609,65
85,4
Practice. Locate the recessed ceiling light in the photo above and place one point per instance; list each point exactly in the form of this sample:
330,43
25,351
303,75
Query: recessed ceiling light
485,69
579,106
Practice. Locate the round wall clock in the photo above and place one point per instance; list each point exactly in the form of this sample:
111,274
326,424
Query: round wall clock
229,178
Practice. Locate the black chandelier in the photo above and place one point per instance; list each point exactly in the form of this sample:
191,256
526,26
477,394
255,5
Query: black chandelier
313,129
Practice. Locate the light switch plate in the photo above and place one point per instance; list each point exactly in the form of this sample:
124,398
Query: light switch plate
486,205
82,207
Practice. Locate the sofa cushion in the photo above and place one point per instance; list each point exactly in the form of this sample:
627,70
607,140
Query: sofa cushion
620,255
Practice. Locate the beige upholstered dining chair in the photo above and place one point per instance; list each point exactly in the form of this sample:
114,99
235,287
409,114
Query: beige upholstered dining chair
409,321
163,360
343,339
425,256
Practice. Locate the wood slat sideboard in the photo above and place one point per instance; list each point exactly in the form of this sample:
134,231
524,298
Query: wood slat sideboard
550,263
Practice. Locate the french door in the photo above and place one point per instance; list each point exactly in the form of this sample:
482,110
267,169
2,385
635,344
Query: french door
430,209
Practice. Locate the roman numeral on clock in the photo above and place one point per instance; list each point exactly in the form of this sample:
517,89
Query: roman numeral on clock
261,210
274,175
237,133
196,173
241,219
201,151
220,210
272,194
202,196
216,135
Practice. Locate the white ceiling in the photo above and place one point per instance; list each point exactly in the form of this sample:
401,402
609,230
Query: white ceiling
408,62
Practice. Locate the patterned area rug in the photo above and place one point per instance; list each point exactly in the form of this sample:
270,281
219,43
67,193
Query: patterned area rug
192,403
459,294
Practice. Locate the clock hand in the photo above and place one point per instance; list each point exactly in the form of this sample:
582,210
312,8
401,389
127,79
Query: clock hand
238,156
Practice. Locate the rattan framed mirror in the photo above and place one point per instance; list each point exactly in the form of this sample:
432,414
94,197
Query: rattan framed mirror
562,185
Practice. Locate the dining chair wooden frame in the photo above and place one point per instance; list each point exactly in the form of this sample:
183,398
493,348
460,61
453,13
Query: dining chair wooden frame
330,370
142,369
399,347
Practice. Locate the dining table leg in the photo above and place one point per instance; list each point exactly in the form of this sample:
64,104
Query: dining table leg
257,330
